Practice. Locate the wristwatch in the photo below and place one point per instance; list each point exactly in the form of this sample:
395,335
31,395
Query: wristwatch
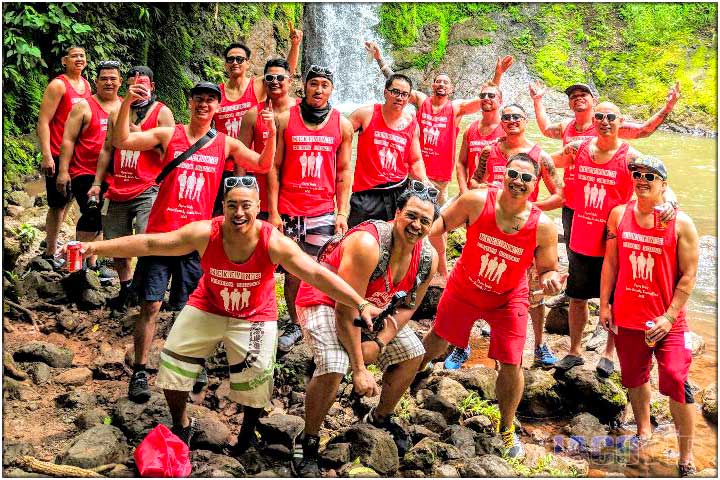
361,306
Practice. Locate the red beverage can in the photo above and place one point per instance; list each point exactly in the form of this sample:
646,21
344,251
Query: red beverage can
657,213
650,325
144,80
74,257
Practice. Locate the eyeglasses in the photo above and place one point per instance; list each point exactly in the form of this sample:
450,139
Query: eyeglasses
487,95
650,177
398,93
511,117
419,187
241,182
525,177
269,78
239,59
602,116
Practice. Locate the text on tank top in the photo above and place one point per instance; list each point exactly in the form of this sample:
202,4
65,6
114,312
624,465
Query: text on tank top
438,135
89,142
382,153
309,167
647,272
241,290
229,115
188,193
599,188
571,134
379,291
476,142
57,123
495,261
133,171
497,164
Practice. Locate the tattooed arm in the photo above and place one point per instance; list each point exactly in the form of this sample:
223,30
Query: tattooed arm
553,182
641,130
479,177
566,157
609,273
550,130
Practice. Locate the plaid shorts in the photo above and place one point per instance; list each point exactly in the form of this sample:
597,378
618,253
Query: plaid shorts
318,324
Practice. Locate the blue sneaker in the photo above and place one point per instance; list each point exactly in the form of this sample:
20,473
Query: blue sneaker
457,358
544,358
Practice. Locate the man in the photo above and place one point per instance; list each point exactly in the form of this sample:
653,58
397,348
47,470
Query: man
132,189
388,149
313,173
508,232
61,94
179,203
603,161
659,295
378,259
238,252
240,93
83,138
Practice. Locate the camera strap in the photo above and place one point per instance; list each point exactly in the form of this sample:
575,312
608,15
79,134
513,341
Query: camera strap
202,141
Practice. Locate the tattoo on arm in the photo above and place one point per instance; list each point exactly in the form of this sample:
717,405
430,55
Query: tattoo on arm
610,236
479,174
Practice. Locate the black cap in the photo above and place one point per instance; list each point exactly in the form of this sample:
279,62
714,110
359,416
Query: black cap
318,71
651,163
581,86
206,87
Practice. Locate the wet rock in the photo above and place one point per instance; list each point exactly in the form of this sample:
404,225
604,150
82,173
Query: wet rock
12,451
587,392
336,455
298,366
137,419
375,447
74,376
586,434
479,424
442,405
153,360
37,351
487,466
206,464
556,321
97,446
710,403
91,418
39,264
461,437
445,471
280,429
434,421
427,452
109,364
540,397
75,398
41,285
39,372
479,379
573,466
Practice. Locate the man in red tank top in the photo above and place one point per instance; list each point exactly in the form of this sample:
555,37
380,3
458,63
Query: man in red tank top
83,138
506,234
234,303
313,173
338,345
60,95
651,267
185,195
132,188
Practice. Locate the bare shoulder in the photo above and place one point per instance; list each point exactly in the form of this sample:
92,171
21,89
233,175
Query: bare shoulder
56,86
546,228
684,221
363,244
363,112
346,126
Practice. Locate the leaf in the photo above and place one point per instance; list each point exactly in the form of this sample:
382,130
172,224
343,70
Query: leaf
107,421
95,328
81,28
70,7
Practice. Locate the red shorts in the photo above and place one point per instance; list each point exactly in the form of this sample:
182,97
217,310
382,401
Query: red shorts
507,315
673,357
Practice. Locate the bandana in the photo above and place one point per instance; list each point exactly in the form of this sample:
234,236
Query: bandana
314,116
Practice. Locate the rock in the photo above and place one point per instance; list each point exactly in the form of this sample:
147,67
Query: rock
70,322
451,390
298,366
11,369
206,464
336,455
707,473
659,409
39,372
153,360
14,211
11,252
461,437
91,418
487,466
573,466
427,452
39,264
375,447
75,398
19,473
586,434
364,404
556,321
280,429
697,342
445,471
20,198
489,444
442,405
455,243
109,364
91,299
710,403
479,379
40,200
357,470
97,446
137,419
480,424
212,434
540,397
13,451
37,351
428,306
418,432
434,421
74,376
41,285
586,392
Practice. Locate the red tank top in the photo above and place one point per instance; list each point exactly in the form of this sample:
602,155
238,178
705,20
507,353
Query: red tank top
309,169
647,272
57,123
438,135
382,153
571,134
188,192
476,143
379,291
89,142
230,113
497,164
495,261
241,290
134,172
599,188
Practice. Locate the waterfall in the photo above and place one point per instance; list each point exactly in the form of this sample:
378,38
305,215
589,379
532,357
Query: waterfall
334,37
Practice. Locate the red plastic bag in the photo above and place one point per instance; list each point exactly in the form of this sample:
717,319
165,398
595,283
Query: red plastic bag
162,454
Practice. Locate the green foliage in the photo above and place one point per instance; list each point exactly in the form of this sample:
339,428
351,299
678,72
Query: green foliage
280,297
474,405
404,407
26,235
20,158
523,41
545,467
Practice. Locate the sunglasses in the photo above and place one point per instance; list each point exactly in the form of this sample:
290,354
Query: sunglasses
241,182
511,117
239,59
320,70
525,177
487,95
419,187
108,64
398,93
269,78
650,177
602,116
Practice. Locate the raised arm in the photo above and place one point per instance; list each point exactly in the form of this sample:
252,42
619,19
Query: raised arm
249,159
344,177
459,212
123,138
296,37
416,97
630,130
501,66
553,182
550,130
480,173
608,277
77,119
566,157
50,101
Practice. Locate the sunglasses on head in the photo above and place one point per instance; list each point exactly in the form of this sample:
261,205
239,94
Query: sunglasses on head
511,117
650,177
602,116
108,64
320,70
487,95
241,182
419,187
398,93
269,78
525,177
232,59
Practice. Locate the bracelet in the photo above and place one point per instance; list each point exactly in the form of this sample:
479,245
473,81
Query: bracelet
97,184
344,214
362,305
669,318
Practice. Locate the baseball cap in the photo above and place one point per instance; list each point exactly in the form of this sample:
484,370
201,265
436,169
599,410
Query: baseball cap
319,71
581,86
651,163
206,87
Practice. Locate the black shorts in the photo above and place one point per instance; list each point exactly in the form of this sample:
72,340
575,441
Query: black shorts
584,280
375,204
90,219
152,275
55,199
567,220
218,207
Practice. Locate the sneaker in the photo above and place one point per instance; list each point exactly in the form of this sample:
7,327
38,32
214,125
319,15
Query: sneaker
544,358
569,362
513,447
306,459
390,424
292,334
56,263
139,390
456,358
105,274
185,433
201,382
686,470
605,367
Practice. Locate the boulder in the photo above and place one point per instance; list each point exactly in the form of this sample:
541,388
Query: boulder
14,211
479,424
586,434
39,372
296,366
586,392
540,397
442,405
424,454
109,363
206,464
479,379
444,471
20,198
97,446
556,321
710,403
433,421
13,451
39,264
11,252
487,466
37,351
137,419
336,455
74,376
211,434
75,398
461,437
375,447
451,390
91,417
91,299
489,444
280,429
41,285
418,432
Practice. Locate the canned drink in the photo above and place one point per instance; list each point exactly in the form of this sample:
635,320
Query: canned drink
144,80
650,325
657,213
74,257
